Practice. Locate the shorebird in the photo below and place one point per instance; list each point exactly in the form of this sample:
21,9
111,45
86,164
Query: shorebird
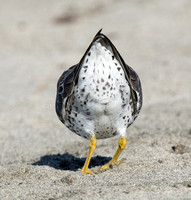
100,97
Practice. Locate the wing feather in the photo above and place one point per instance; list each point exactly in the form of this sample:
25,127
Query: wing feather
65,87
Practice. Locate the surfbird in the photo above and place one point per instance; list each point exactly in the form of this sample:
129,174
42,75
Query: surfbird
100,97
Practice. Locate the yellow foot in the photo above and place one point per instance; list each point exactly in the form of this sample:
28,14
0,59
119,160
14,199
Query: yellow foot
85,172
110,164
92,145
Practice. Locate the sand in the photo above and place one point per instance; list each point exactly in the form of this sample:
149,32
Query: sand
39,157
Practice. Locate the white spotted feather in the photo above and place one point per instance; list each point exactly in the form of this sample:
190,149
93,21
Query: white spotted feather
101,99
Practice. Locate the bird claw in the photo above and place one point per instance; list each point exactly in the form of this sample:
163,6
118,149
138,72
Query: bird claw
85,172
120,161
107,166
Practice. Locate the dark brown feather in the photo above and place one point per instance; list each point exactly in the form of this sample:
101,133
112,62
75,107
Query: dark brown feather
65,86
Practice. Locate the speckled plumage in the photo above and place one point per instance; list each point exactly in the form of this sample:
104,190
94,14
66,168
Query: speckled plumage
101,96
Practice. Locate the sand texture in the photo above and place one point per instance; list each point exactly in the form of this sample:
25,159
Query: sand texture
39,157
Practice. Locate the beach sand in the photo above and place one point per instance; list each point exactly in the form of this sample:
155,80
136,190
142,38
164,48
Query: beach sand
39,157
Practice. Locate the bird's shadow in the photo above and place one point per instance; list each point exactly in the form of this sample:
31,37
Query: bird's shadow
70,162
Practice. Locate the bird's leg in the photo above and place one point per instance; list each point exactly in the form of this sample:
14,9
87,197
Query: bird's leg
122,143
92,145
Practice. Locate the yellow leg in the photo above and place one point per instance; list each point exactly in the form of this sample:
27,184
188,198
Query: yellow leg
122,143
92,145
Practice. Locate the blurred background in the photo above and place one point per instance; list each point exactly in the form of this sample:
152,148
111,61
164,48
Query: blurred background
40,39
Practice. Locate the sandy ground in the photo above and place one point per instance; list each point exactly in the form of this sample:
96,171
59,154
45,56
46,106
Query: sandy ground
39,157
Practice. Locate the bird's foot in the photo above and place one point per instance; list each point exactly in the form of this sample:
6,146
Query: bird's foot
92,145
109,165
86,171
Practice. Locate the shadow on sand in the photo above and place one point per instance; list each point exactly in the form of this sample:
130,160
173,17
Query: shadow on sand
67,161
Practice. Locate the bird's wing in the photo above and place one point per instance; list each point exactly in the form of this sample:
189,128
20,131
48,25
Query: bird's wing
65,87
66,82
136,91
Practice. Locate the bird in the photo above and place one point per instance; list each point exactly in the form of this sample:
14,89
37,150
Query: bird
99,98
